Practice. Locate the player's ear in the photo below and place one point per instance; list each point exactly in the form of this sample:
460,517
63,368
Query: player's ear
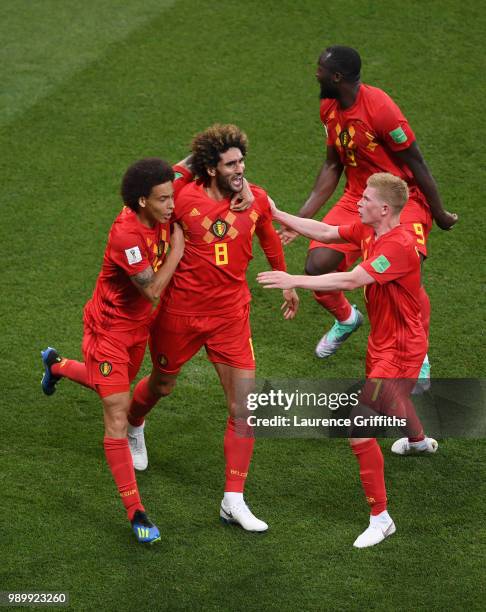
211,171
142,202
337,77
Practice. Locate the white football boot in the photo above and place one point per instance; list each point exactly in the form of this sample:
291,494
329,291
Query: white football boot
404,447
339,333
138,450
381,527
239,514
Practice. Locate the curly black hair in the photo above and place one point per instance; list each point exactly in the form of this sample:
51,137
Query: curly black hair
208,146
141,177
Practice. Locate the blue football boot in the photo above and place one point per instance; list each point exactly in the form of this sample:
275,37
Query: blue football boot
143,528
49,357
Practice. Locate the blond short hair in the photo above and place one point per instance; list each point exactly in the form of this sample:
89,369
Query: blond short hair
391,189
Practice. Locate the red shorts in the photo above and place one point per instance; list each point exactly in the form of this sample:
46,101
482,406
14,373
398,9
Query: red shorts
416,217
113,359
175,339
381,368
387,391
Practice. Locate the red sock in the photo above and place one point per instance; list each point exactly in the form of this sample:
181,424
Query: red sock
143,401
335,303
372,474
414,424
425,311
121,466
238,449
74,370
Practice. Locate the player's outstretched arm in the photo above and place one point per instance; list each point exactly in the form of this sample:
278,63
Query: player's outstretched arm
335,281
415,161
150,283
306,227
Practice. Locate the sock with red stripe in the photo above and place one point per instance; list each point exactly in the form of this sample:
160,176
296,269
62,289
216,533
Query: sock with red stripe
335,303
120,461
372,474
238,449
143,401
74,370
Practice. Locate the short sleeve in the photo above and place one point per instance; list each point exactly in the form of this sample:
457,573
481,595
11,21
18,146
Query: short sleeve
391,261
128,252
352,233
392,127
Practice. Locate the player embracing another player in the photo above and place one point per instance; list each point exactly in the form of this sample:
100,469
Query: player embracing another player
208,301
135,271
397,344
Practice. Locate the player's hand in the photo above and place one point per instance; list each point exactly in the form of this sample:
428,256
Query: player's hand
291,304
446,220
243,200
177,241
275,280
287,235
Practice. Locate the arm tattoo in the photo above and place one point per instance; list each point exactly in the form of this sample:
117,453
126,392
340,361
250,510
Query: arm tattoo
142,279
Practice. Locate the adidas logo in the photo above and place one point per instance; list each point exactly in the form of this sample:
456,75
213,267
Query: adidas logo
194,213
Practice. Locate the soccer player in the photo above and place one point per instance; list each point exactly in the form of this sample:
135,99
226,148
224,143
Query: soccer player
390,275
208,301
366,133
135,271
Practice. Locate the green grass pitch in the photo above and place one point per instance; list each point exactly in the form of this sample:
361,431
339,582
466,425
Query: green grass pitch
87,88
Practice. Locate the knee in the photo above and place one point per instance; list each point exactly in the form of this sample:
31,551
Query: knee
318,263
311,268
322,261
116,425
161,387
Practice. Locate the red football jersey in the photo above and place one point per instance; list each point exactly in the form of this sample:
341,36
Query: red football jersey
211,276
365,136
116,303
397,334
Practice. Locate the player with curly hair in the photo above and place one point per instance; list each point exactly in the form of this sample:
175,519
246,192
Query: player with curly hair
208,301
136,269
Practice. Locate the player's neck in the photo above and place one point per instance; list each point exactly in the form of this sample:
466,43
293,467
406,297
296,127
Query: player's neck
144,220
385,226
348,95
214,192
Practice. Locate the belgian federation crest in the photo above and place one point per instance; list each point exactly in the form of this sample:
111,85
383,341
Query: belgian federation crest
219,228
160,248
105,368
344,137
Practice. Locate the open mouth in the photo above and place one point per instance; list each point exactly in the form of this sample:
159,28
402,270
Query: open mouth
237,182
